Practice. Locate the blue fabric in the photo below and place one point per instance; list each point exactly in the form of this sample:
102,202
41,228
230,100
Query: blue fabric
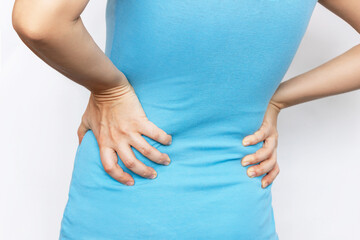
204,72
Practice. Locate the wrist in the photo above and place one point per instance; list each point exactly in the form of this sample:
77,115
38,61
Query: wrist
111,80
113,93
272,114
276,106
280,100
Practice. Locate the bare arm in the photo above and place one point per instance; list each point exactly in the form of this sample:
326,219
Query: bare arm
339,75
53,30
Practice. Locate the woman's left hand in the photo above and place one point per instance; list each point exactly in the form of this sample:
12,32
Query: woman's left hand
266,155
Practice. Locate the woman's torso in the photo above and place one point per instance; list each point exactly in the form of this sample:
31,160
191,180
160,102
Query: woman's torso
204,72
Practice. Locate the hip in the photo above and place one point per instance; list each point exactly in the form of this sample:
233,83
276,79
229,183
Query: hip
194,198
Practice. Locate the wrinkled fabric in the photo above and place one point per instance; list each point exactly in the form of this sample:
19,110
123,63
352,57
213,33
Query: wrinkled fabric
204,72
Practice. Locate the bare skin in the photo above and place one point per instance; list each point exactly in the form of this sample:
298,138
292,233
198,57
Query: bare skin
339,75
114,112
59,37
265,156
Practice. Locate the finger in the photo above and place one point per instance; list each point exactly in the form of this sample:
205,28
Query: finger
261,154
109,160
81,132
270,177
130,161
258,136
149,151
263,167
152,131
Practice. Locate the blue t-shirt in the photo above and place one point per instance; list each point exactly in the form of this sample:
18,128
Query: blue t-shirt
204,72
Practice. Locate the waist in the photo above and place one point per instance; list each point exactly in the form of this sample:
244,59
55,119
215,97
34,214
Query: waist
206,162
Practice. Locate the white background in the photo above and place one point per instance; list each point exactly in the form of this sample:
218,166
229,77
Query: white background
316,195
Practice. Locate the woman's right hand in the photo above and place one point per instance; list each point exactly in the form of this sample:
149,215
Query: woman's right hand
118,121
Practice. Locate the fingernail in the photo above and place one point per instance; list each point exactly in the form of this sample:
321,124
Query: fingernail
170,142
153,175
245,143
129,183
247,160
265,184
251,173
167,159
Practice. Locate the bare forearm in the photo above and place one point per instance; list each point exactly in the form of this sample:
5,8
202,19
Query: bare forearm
55,32
339,75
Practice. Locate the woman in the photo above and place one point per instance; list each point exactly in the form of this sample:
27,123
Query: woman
194,81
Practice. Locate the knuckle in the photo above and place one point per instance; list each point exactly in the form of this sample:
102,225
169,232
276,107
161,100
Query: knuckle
268,154
277,168
145,150
273,166
260,134
257,134
273,161
108,167
102,140
124,130
129,163
135,123
270,139
276,134
255,156
260,169
132,137
260,151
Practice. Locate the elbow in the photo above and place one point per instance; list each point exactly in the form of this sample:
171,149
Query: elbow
29,33
27,28
30,26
